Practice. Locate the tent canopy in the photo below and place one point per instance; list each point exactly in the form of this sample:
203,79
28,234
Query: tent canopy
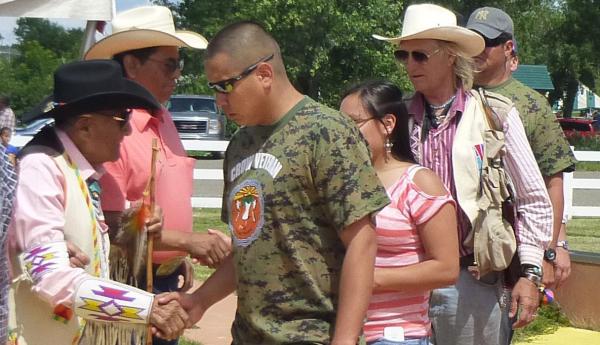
100,10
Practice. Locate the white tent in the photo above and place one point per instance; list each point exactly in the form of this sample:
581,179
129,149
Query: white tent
73,9
90,10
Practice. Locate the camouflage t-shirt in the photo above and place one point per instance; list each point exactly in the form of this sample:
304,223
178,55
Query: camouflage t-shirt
290,189
548,143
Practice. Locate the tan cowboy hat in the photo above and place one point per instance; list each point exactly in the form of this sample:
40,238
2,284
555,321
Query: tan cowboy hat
428,21
144,27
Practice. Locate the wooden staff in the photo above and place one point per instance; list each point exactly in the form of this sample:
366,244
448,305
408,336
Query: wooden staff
150,193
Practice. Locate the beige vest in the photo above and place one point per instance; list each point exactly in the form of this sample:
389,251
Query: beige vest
481,188
32,321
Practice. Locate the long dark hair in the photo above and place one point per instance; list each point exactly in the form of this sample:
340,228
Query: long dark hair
379,98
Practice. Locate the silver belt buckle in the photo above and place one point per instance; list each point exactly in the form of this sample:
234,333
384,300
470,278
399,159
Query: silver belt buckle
474,270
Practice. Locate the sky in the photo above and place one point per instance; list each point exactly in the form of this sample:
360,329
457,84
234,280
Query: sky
7,24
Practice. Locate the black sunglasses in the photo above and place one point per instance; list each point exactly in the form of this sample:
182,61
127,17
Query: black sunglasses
418,56
226,86
494,42
171,65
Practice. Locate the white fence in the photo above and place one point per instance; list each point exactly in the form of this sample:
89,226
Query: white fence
570,183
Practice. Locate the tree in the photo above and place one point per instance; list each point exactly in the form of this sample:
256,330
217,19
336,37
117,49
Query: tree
43,46
326,44
63,42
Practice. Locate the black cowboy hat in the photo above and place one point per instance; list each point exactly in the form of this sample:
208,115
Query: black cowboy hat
87,86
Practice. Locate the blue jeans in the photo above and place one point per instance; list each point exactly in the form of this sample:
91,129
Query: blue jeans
470,312
420,341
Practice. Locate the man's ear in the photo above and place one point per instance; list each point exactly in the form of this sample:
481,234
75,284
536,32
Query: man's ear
508,47
131,65
265,74
81,125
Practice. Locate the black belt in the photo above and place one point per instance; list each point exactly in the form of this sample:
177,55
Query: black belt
467,260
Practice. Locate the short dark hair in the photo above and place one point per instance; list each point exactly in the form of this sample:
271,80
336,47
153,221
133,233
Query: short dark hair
245,42
379,98
142,54
5,129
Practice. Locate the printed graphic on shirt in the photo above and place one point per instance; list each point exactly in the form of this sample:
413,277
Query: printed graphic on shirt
257,161
247,212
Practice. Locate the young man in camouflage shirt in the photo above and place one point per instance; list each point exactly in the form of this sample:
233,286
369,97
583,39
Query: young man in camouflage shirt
548,143
299,196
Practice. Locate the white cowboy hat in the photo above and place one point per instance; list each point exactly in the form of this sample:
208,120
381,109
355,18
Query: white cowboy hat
144,27
428,21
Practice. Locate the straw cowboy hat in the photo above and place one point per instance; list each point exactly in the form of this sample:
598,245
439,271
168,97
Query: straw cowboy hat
428,21
87,86
144,27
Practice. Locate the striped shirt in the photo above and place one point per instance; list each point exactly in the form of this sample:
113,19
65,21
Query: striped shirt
399,244
534,221
8,183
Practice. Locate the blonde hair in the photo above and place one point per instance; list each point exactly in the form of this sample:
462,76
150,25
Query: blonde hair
463,65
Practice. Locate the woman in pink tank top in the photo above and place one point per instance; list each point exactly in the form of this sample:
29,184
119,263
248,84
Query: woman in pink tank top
416,232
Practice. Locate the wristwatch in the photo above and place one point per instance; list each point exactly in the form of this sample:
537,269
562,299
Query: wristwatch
563,244
550,255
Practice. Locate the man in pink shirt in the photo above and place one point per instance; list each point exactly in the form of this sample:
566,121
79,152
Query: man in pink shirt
144,41
57,201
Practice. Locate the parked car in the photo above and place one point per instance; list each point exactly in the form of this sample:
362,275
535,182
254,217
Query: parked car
197,117
579,127
23,134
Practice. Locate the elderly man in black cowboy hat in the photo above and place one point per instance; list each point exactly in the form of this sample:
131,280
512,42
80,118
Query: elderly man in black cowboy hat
57,200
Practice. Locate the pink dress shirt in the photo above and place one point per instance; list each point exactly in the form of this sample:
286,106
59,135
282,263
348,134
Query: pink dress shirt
127,177
534,223
38,217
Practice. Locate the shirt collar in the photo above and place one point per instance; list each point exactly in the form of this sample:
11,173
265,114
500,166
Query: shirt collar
85,168
142,118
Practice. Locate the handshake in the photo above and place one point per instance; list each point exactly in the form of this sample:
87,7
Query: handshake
172,313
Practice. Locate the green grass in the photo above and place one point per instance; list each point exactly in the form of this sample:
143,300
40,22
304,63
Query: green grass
587,166
207,218
184,341
548,321
584,234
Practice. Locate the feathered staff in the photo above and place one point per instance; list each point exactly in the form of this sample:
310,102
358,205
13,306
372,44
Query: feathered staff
149,195
132,245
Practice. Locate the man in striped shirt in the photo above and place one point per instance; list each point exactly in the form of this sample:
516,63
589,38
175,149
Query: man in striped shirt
437,55
548,142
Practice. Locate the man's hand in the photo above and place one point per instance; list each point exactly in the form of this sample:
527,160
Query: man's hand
209,249
562,266
77,257
168,319
194,309
154,224
525,301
